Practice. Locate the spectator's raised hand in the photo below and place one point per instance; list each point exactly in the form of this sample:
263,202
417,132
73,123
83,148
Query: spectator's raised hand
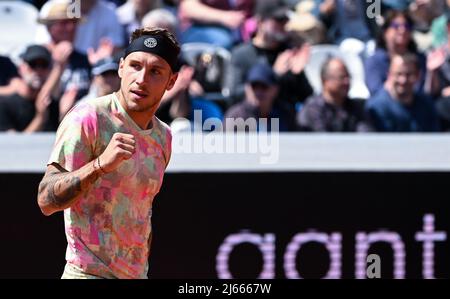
104,50
61,52
300,58
281,65
327,7
436,59
446,92
67,101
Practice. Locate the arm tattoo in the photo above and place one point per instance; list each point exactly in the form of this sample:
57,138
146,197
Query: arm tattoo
61,189
71,186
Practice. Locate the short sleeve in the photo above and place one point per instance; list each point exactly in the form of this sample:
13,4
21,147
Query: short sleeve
168,146
75,138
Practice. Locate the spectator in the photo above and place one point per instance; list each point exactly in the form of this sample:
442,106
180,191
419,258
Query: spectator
28,110
105,79
333,111
438,80
394,39
180,103
133,11
270,45
423,12
162,18
99,22
8,74
261,90
305,26
398,107
216,22
75,76
8,70
346,19
439,27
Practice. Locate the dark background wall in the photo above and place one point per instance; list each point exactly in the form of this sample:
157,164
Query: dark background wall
195,212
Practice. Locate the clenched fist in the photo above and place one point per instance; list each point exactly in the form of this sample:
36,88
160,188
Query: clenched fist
120,148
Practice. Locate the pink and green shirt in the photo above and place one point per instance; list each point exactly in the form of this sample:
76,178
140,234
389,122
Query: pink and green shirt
109,230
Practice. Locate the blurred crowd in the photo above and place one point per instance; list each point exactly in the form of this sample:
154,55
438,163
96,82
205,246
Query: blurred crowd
314,65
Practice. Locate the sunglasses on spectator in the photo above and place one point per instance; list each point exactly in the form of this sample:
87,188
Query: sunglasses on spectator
397,26
35,64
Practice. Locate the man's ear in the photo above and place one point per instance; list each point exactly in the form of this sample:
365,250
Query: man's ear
172,80
121,65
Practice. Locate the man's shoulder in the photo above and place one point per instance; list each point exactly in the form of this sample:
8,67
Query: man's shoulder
315,101
90,108
102,101
380,98
162,126
241,110
242,51
424,100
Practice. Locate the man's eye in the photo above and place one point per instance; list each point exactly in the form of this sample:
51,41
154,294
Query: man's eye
135,66
155,72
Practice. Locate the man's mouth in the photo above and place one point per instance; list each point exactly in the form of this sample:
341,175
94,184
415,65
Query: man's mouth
139,93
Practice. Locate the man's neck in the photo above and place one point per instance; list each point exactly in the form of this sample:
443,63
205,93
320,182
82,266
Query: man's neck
142,119
332,99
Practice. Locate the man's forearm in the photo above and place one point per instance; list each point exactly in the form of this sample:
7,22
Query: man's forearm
59,190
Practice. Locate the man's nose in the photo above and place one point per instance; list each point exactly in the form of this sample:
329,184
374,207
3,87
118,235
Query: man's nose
402,79
141,77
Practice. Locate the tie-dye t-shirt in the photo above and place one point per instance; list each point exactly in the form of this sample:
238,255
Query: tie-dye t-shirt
109,229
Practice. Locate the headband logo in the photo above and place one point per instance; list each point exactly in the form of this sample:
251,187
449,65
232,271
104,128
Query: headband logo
150,42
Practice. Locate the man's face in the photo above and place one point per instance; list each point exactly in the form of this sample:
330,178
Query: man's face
62,30
35,72
260,94
145,78
402,77
337,81
273,31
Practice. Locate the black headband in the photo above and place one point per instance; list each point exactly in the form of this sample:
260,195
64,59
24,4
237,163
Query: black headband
155,45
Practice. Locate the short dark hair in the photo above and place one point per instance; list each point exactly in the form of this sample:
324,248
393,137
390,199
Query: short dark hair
156,31
408,58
